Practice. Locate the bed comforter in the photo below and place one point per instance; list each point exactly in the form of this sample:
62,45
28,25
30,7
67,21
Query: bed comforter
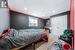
25,37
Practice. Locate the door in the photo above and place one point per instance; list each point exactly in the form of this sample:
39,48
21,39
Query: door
58,25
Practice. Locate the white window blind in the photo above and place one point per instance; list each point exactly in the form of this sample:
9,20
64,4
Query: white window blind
33,21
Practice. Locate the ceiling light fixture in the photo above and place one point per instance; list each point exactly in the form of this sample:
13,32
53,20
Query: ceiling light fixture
25,8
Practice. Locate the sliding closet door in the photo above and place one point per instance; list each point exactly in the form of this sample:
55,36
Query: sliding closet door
58,25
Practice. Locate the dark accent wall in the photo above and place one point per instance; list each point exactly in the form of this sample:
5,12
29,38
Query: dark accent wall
21,21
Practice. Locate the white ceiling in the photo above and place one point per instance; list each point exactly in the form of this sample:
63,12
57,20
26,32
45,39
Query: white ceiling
40,8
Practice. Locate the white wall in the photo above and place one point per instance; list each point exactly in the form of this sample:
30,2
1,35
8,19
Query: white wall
4,19
58,25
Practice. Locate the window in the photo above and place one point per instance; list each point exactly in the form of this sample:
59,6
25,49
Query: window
33,21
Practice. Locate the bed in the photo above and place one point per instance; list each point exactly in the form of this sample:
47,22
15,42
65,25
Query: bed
25,36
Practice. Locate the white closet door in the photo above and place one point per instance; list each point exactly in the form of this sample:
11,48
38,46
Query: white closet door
58,25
